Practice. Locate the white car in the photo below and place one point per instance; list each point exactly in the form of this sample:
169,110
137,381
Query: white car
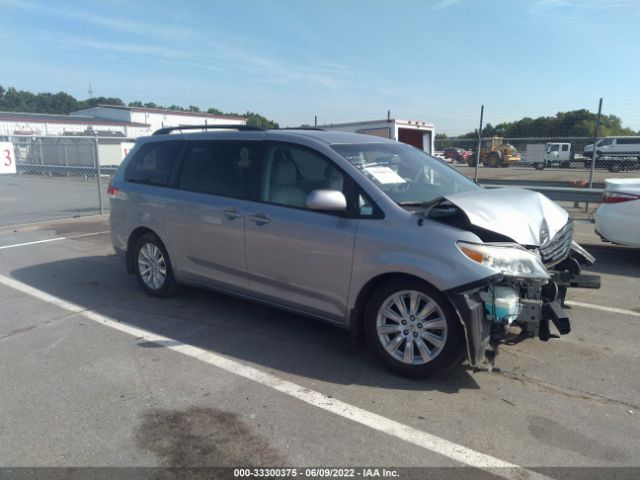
618,218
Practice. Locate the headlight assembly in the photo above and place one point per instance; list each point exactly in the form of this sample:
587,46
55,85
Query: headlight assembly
512,261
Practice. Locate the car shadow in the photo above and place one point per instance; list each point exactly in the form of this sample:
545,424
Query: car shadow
615,260
249,332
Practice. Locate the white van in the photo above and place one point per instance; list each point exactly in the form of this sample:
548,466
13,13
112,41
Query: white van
615,153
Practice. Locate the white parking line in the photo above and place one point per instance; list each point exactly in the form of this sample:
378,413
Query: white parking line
454,451
56,239
59,220
603,308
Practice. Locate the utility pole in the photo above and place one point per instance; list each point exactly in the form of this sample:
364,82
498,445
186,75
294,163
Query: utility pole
90,91
475,176
595,140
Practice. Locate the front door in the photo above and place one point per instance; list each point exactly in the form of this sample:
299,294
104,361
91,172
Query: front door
295,256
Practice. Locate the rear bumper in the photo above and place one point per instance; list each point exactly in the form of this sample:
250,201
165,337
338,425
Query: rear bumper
614,223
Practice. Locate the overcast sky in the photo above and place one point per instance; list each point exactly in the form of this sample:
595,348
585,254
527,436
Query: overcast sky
343,60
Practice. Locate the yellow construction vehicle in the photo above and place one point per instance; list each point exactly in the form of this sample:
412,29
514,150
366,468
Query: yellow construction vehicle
495,154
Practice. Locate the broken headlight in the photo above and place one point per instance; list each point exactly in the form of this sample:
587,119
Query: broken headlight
512,261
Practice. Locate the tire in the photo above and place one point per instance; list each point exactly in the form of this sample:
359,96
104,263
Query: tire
425,358
614,167
492,160
471,162
539,166
157,279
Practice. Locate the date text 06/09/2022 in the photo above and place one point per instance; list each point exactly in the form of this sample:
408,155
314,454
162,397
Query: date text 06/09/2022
373,472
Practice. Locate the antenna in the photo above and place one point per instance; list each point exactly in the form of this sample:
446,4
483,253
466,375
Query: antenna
90,91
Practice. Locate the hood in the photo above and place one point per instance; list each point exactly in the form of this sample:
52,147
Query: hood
526,217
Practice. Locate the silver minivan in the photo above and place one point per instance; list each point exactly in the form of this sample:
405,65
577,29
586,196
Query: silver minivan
367,233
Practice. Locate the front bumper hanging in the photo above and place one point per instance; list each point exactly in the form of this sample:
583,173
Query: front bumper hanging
541,308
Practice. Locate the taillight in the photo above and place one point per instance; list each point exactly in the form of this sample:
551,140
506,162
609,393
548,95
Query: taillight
112,191
616,197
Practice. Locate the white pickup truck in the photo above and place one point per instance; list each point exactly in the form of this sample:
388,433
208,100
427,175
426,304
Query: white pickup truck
551,154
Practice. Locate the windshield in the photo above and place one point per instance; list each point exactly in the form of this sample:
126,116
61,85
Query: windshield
406,174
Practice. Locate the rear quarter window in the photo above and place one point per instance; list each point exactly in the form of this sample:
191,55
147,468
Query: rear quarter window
153,163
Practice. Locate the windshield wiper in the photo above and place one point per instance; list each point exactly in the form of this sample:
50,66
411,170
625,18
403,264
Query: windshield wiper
426,204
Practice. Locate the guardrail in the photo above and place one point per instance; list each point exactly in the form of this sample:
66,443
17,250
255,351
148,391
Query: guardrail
568,194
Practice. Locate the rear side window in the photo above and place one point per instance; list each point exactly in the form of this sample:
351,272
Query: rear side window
153,163
219,168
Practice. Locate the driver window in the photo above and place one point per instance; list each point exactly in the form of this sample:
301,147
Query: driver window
291,173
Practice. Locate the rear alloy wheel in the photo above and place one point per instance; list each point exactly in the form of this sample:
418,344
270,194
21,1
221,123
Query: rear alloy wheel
153,267
413,329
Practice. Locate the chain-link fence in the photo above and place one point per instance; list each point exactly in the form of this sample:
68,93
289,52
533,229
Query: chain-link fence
551,161
66,176
59,177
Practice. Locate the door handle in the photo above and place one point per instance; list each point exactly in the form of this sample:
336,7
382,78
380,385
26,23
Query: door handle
259,219
232,213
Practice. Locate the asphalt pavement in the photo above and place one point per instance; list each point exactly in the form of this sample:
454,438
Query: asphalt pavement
94,373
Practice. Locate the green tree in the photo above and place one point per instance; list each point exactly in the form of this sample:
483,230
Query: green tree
576,123
258,120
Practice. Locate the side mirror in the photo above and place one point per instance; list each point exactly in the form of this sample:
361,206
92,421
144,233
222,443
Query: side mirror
331,200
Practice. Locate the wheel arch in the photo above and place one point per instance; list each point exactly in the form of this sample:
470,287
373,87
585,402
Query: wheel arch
356,318
131,243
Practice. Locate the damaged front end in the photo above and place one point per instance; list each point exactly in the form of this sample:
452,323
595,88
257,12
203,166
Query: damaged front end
526,296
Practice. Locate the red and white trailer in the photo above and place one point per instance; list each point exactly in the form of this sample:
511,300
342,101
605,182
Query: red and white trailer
412,132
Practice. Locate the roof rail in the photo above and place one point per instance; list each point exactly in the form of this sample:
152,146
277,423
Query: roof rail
165,130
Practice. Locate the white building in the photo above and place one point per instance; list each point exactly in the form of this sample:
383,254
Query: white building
107,120
17,123
156,118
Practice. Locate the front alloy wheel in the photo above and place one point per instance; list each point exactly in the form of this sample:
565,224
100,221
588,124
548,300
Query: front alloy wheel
412,327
